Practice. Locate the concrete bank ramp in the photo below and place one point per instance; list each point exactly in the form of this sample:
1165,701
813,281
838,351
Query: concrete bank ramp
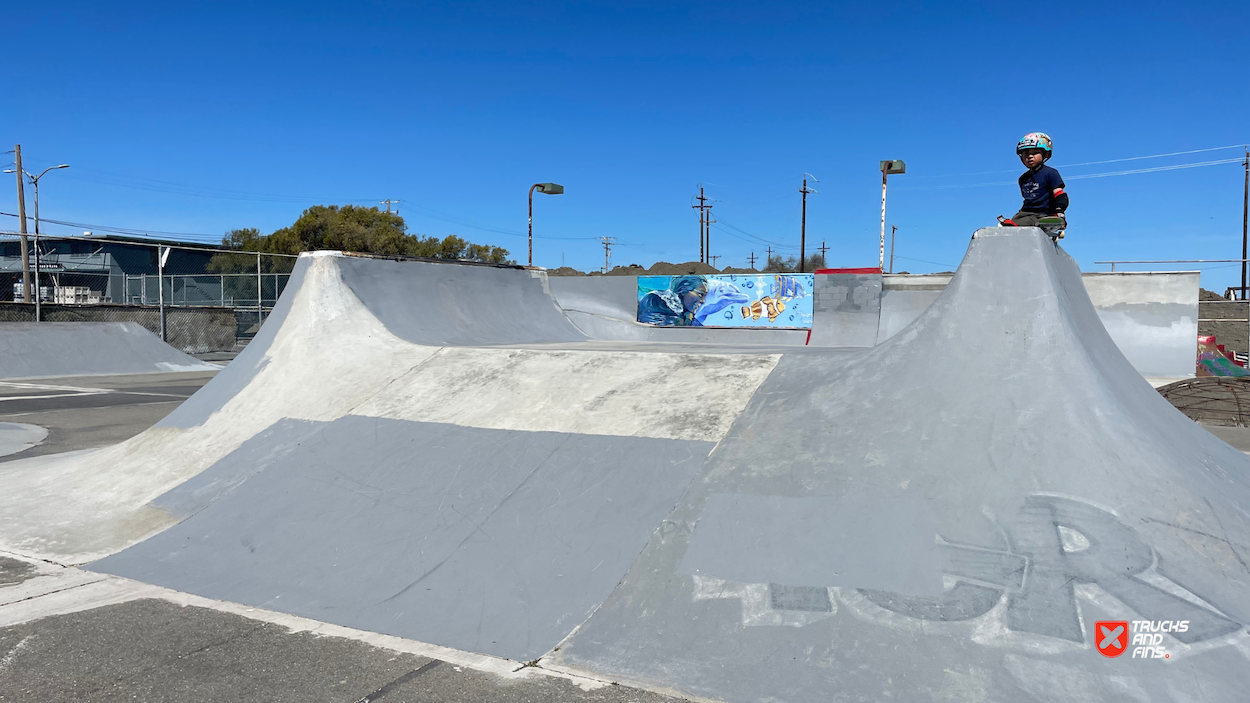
366,470
943,517
37,349
946,519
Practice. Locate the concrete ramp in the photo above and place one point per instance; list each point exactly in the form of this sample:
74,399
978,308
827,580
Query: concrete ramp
946,518
37,349
943,517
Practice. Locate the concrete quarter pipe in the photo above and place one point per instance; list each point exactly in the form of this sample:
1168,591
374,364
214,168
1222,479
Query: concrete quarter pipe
944,517
34,349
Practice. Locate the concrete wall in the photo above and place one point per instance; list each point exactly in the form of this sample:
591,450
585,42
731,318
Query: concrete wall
1152,316
1227,320
846,310
904,297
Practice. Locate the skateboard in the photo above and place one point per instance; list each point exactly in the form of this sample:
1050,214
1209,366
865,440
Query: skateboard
1053,226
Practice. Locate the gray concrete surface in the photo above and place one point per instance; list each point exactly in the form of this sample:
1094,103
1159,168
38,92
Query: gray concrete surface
1064,489
40,349
941,517
846,310
84,412
905,298
459,304
501,549
17,437
1151,316
13,571
153,650
1238,437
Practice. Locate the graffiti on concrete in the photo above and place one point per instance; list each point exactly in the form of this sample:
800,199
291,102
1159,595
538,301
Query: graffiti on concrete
1056,545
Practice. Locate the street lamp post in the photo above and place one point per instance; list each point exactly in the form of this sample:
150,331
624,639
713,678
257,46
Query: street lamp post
549,189
34,181
887,168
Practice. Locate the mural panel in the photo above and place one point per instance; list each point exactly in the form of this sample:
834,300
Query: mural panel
781,300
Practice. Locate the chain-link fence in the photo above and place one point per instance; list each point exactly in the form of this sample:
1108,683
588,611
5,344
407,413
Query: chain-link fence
198,299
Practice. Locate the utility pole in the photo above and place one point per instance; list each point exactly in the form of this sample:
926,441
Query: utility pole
388,202
1245,210
705,225
893,232
751,258
710,222
769,251
822,249
607,252
21,218
803,227
714,258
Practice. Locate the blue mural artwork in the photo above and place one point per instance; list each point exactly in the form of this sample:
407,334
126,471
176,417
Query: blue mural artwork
781,300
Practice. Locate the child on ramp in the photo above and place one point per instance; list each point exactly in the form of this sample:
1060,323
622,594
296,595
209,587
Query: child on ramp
1041,187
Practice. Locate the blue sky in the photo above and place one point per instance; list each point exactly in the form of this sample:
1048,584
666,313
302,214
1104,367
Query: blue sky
230,114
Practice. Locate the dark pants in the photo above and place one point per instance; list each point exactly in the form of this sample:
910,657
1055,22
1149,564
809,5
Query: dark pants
1028,219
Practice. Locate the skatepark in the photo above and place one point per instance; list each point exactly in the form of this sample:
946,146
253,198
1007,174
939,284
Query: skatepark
932,496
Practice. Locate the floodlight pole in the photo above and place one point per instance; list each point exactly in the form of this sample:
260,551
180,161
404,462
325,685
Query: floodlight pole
34,180
549,189
887,167
531,224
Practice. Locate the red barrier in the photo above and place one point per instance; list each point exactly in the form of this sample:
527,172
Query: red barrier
867,269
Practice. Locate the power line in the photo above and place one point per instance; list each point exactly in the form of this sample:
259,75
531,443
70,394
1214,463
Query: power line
155,186
935,263
1107,174
121,230
430,212
1155,168
1091,163
758,239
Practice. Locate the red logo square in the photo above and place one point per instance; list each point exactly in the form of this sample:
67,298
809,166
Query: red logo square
1111,637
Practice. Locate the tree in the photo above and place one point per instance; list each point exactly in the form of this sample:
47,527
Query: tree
348,228
790,264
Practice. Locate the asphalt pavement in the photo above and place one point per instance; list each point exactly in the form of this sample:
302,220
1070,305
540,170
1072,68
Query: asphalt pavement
85,412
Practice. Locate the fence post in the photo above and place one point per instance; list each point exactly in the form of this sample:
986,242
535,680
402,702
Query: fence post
260,311
160,284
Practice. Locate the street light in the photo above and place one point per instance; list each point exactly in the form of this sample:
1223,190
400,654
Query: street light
34,180
887,167
549,189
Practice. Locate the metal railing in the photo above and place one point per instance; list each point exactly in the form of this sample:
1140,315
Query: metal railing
1174,261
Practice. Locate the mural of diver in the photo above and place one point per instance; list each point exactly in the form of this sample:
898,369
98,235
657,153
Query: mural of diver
688,301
